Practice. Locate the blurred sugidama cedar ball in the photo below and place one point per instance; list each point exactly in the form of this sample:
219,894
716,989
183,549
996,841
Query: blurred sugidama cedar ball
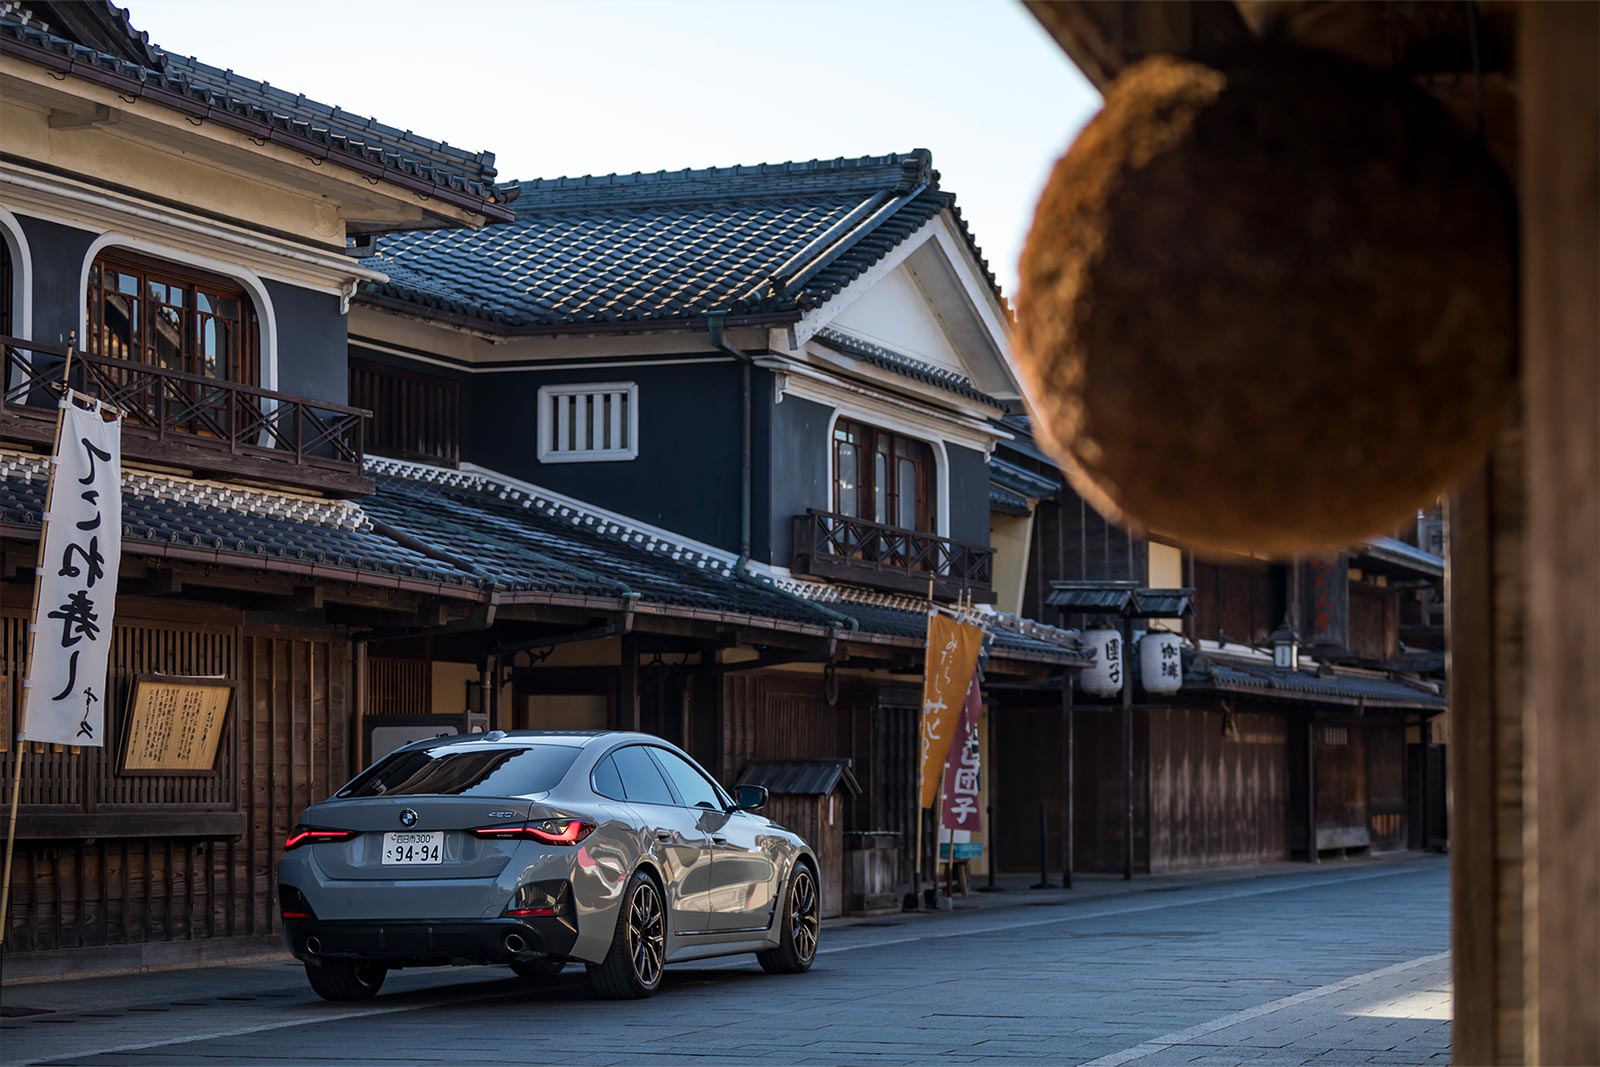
1267,305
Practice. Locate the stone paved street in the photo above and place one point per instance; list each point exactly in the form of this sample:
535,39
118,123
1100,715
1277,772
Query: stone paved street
1342,964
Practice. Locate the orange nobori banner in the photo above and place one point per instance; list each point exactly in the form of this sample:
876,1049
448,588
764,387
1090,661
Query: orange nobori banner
952,657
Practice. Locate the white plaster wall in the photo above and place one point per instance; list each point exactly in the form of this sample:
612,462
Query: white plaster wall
896,314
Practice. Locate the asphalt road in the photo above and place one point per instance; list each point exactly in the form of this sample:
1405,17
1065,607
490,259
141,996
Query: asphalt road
1345,963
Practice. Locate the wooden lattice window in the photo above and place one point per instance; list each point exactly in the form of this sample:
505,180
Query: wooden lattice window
883,476
414,415
586,423
172,316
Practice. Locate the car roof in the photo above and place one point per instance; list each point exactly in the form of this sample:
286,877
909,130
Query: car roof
568,738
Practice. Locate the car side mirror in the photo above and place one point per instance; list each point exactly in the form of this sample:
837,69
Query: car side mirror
750,798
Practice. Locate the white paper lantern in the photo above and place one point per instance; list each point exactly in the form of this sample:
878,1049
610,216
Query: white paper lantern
1103,677
1161,662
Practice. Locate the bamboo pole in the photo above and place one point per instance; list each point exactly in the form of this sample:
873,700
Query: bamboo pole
27,674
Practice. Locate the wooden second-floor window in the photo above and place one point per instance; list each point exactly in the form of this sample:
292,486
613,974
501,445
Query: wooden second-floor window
415,415
883,476
172,316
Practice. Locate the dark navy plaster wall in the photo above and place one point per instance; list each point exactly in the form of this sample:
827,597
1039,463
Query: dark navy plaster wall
312,358
57,254
686,477
798,470
969,495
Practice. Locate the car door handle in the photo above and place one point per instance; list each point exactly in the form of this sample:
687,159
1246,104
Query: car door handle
718,839
665,835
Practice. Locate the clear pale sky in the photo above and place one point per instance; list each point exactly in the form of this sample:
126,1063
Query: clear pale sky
556,87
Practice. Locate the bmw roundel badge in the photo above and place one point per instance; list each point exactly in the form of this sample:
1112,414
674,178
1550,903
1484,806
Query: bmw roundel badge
408,817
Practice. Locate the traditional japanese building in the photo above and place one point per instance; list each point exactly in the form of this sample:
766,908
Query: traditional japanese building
787,375
367,537
1294,678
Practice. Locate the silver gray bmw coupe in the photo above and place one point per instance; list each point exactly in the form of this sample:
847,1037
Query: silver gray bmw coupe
536,849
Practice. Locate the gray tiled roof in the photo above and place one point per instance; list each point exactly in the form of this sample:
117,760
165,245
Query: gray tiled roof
1007,501
235,527
1020,479
486,534
527,540
268,113
1393,551
899,363
764,241
1241,676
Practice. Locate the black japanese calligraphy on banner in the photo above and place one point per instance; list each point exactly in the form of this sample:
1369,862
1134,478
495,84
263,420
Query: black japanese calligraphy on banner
77,583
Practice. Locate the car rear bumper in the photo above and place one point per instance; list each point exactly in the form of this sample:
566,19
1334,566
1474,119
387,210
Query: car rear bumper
421,943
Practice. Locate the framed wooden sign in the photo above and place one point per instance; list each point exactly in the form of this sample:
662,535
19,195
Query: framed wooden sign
175,724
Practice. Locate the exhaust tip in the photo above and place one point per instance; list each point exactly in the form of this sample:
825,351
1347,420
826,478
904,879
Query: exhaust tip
313,945
514,943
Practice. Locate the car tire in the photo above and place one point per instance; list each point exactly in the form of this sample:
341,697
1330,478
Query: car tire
345,979
538,969
801,925
632,967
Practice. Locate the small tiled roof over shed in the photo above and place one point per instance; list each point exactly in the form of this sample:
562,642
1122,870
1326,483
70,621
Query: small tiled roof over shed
801,777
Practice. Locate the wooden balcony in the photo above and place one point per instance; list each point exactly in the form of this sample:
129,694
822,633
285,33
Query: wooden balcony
846,549
205,426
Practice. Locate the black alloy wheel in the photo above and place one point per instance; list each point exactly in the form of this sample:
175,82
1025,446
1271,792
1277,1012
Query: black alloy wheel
633,966
802,926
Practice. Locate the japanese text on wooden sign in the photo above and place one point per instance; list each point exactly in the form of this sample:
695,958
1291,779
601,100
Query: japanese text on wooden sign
175,724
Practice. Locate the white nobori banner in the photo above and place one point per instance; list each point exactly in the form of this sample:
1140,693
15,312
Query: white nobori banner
66,678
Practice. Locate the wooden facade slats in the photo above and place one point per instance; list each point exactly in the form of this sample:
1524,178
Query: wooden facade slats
399,686
1217,795
178,880
415,415
1242,600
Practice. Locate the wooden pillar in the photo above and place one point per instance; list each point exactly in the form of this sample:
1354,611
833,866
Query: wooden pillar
628,683
1066,780
497,717
1424,736
1484,589
1127,749
358,708
1311,789
1559,47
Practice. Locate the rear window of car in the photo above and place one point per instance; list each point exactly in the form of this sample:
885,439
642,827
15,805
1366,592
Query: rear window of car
465,770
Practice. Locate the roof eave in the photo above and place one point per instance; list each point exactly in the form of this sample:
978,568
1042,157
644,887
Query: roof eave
260,132
695,323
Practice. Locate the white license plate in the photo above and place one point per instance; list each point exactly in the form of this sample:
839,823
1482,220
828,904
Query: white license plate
413,848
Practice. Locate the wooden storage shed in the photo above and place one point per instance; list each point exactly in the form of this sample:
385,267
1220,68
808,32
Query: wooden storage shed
806,798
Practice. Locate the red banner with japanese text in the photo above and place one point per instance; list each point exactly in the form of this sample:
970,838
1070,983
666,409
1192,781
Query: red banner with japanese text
951,660
963,809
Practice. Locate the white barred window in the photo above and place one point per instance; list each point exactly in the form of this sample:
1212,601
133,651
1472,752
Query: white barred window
586,423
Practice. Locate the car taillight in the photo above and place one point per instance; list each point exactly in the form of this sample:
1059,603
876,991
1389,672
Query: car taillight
541,899
545,831
292,904
305,835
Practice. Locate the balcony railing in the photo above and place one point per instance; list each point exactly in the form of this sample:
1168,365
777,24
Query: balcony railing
191,422
829,545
